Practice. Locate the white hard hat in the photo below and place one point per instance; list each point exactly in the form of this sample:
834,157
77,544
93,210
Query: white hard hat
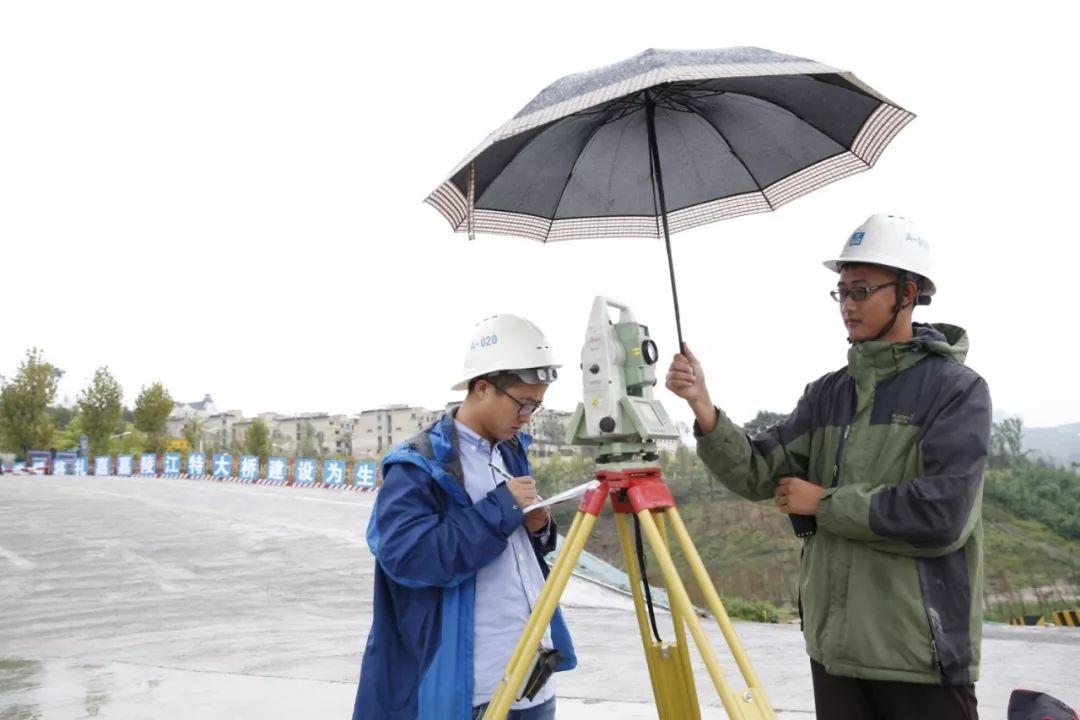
508,343
892,241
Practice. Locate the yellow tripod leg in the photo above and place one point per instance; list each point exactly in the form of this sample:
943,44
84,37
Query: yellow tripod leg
668,663
712,598
680,628
747,707
529,642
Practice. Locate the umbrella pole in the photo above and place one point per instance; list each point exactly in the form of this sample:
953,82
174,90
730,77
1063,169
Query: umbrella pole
658,183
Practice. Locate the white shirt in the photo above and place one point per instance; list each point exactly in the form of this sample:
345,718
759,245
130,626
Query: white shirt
507,588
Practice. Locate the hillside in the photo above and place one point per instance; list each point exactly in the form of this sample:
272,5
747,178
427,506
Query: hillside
751,553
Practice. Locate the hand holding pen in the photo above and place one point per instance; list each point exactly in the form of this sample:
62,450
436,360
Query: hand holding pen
524,491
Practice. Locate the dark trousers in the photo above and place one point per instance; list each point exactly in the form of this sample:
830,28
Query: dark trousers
844,698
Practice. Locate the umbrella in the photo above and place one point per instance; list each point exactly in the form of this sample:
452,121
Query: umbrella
666,141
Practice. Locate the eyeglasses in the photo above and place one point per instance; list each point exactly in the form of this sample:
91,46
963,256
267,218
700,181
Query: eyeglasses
858,294
523,408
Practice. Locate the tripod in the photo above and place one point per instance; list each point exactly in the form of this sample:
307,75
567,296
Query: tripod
641,492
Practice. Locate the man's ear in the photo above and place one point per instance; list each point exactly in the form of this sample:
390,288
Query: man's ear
911,293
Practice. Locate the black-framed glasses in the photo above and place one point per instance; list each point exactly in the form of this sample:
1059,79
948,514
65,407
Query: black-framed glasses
858,294
524,408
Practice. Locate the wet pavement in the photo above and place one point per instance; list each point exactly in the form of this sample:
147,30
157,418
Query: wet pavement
151,598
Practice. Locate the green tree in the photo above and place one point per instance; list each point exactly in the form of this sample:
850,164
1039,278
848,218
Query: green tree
152,410
311,442
762,422
550,475
67,438
685,469
129,441
686,474
1041,493
257,439
579,468
101,408
1007,443
192,432
25,420
61,416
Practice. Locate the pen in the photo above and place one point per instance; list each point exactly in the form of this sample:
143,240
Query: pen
507,477
499,470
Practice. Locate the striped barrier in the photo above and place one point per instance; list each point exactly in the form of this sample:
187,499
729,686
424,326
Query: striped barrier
1065,618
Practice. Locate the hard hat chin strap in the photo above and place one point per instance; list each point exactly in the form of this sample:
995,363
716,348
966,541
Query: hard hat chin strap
903,278
885,330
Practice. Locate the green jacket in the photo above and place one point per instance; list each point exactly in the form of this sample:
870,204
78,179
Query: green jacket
891,584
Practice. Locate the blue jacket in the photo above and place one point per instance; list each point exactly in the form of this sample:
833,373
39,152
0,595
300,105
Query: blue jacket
430,540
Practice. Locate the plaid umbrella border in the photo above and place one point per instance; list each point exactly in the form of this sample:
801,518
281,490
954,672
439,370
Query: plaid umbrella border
877,132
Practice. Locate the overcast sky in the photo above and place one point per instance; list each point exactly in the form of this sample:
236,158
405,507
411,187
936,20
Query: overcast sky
227,196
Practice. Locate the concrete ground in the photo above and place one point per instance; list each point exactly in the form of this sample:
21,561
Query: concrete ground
152,598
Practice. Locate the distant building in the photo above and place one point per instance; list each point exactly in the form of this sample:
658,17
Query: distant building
548,429
201,408
238,432
367,434
182,412
669,445
376,431
318,434
218,430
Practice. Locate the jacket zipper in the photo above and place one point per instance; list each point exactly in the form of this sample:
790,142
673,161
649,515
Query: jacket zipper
935,656
843,438
839,456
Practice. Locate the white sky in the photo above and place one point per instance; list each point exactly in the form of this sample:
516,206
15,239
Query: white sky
227,196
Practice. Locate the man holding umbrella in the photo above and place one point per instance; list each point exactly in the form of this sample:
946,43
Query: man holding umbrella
884,460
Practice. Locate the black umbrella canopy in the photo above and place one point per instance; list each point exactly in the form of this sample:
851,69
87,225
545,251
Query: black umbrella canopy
738,131
667,141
